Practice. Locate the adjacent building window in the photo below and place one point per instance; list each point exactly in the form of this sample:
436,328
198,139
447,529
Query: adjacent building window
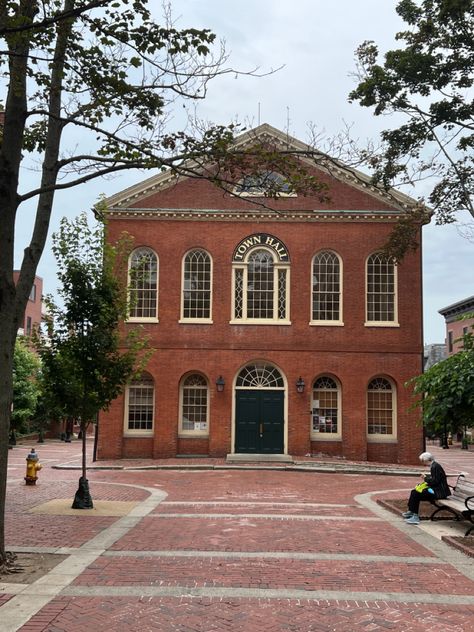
261,289
450,342
139,405
32,296
194,406
196,293
380,408
29,326
325,416
381,290
326,288
143,280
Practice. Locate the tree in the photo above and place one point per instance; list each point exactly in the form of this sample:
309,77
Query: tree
445,392
83,366
91,85
429,83
26,388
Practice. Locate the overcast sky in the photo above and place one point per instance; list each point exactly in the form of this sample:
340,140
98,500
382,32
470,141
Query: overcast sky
314,41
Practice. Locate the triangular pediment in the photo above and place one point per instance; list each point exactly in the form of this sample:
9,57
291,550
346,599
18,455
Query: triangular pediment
151,188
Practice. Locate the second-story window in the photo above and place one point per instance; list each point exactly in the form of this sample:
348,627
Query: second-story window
381,290
326,290
196,289
261,288
143,279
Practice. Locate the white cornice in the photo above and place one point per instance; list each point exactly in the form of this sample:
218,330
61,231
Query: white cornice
238,215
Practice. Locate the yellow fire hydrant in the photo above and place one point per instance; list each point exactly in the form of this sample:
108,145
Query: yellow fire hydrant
32,466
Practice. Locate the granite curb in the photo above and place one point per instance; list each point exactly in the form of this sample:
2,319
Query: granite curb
303,467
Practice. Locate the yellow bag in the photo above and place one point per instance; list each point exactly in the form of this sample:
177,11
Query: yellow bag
421,486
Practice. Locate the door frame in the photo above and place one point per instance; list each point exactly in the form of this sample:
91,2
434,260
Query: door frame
285,402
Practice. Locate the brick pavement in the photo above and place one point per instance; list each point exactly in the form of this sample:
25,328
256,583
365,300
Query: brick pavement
232,550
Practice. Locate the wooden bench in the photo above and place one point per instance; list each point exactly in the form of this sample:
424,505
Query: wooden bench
460,503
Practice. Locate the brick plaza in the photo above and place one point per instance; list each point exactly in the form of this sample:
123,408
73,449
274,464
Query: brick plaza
199,546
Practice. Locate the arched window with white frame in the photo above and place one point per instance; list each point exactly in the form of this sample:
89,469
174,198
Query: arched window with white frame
326,307
196,303
261,289
381,409
143,285
194,408
326,409
140,406
381,285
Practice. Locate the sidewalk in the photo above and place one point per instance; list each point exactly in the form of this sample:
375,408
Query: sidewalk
241,548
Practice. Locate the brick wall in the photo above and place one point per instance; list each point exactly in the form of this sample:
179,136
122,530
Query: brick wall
354,353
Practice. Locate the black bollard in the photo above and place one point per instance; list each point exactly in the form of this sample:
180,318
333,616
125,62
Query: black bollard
83,499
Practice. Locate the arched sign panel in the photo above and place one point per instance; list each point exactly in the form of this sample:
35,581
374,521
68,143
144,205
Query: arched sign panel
261,239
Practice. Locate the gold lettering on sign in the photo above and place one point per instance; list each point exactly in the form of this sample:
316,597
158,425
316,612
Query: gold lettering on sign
259,239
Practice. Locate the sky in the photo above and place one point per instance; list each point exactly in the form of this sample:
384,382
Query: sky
312,43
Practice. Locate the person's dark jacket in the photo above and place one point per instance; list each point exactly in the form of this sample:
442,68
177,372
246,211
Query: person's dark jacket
436,479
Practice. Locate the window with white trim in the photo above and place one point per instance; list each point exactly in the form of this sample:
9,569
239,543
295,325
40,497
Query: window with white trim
197,286
261,289
326,409
194,406
143,288
381,289
326,290
140,405
264,184
380,408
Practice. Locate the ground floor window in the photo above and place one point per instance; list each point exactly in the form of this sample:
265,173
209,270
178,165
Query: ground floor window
194,406
380,408
140,397
325,409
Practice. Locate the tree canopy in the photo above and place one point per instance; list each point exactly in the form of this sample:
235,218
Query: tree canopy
445,392
429,83
86,357
26,389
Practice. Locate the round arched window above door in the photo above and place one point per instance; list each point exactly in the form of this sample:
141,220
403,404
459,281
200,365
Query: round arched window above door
260,375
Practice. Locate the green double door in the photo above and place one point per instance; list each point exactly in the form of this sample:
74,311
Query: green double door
259,422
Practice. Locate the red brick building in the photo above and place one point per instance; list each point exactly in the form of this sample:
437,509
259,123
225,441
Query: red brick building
459,321
34,309
274,332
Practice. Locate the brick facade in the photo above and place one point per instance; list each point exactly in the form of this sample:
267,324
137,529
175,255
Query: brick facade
459,321
173,218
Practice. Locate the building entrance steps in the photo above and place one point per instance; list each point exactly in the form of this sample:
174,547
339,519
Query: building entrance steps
259,458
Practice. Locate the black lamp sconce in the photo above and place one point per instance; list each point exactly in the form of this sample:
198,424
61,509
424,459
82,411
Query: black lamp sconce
220,383
300,385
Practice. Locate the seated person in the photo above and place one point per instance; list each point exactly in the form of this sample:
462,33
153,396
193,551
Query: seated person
436,487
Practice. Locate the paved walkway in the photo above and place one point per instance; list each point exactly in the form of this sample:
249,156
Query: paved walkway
231,549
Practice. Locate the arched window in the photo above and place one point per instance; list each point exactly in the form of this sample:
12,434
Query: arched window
260,375
194,406
143,274
261,289
196,288
381,289
140,405
380,408
326,409
326,290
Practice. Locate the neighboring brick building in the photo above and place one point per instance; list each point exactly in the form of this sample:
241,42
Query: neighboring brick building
281,332
34,308
456,325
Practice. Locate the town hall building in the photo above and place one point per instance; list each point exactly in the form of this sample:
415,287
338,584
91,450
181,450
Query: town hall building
277,328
